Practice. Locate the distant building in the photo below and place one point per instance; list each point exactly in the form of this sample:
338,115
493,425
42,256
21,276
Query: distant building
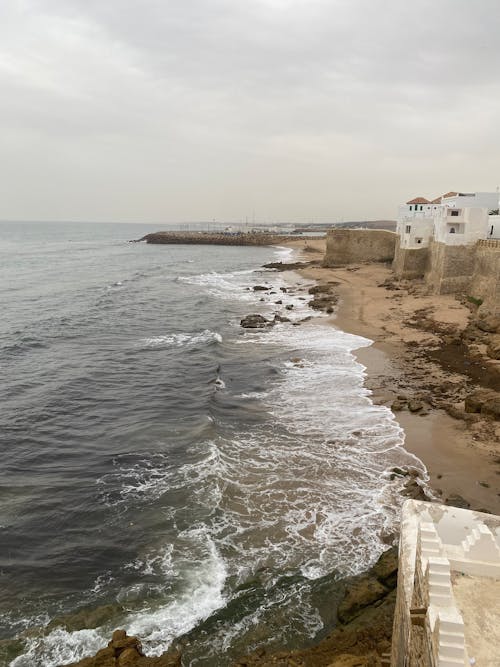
455,218
438,240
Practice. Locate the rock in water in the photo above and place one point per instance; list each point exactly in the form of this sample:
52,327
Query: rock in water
125,651
254,322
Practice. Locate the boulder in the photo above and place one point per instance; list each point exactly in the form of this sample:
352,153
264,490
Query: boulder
477,398
386,568
488,322
359,594
491,408
254,322
260,288
415,406
320,289
493,349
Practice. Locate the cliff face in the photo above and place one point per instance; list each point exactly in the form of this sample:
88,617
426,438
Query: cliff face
354,246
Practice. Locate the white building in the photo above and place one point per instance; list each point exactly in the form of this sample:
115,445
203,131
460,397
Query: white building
455,218
460,226
416,222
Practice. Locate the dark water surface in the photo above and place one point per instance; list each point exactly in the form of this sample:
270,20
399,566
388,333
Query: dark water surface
159,459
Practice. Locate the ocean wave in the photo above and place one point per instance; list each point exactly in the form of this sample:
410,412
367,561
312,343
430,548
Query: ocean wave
180,339
60,647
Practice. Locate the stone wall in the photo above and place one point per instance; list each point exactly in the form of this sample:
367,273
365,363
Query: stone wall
352,246
485,283
450,268
410,263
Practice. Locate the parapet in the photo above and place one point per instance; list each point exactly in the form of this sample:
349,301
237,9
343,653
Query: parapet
448,599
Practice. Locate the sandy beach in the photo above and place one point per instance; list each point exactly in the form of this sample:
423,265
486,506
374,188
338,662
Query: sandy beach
409,328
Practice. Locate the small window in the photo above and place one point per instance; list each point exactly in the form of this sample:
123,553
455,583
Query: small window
454,213
452,230
418,240
411,208
421,208
408,229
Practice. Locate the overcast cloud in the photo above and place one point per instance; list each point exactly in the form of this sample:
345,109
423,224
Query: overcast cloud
174,110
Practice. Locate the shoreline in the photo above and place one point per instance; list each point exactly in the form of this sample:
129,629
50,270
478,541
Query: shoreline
462,457
430,434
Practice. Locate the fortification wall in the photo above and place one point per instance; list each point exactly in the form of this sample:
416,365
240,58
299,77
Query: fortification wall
485,283
450,268
410,263
353,246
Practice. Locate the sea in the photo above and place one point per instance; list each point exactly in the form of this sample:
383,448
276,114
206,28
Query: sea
167,471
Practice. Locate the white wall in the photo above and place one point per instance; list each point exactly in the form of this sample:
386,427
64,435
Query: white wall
470,225
420,229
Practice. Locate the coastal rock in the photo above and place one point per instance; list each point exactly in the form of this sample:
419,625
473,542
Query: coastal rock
457,501
364,591
125,651
283,266
254,322
386,568
320,289
477,398
488,322
260,288
491,408
415,405
398,405
323,301
493,349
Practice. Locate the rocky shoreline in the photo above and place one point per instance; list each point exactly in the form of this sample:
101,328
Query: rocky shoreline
439,366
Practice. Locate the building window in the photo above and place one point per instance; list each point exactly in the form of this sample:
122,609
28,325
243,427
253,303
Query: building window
452,230
411,208
408,229
418,240
454,213
421,208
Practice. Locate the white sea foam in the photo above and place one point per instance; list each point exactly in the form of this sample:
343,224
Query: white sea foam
60,647
305,492
200,594
180,339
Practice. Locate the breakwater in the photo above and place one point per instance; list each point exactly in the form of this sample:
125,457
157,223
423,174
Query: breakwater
221,238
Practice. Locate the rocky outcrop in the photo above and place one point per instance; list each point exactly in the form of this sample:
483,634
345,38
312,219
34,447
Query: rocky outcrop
324,297
125,651
484,401
367,605
487,321
493,348
284,266
255,321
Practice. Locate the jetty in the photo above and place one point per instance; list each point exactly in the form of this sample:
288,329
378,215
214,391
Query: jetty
222,238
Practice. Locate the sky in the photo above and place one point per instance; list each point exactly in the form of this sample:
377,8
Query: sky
273,110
